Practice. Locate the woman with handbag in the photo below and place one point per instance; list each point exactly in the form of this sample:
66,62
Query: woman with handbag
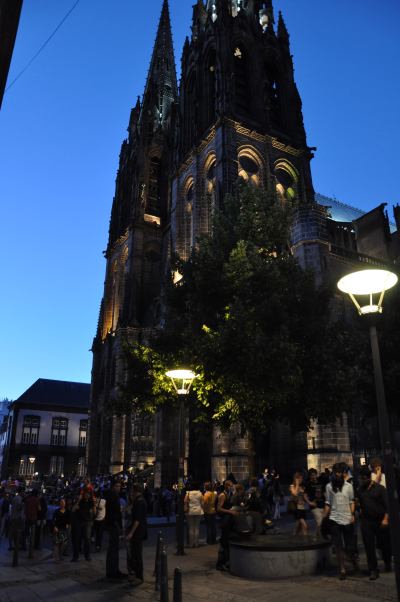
297,504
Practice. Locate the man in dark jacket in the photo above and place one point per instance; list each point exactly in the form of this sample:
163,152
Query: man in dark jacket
113,523
136,533
374,521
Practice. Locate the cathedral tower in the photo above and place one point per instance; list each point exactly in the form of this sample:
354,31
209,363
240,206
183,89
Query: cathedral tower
240,116
139,218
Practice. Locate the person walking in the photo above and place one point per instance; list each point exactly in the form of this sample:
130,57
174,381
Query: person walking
374,521
194,507
136,534
113,523
340,507
210,512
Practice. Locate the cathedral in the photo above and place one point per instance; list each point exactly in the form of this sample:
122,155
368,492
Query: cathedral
236,113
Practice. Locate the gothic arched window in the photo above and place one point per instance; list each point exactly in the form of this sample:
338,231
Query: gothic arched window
188,218
249,166
286,176
209,204
242,83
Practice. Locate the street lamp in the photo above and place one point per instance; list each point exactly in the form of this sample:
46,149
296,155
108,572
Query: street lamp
182,381
366,289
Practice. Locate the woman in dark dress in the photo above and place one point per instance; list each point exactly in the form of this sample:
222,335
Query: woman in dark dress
61,522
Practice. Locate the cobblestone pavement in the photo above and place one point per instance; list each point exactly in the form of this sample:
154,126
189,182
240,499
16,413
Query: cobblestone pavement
42,579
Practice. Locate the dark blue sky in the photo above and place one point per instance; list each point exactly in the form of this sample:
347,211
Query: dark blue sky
62,124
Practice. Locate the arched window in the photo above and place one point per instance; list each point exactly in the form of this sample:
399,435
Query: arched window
242,83
188,218
153,197
286,176
249,166
209,89
209,197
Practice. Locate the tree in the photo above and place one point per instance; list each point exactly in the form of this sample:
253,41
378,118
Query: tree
254,325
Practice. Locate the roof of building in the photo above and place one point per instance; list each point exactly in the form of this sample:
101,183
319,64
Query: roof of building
56,393
340,212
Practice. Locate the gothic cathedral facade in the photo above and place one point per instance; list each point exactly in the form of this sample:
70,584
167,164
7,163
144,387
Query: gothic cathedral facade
236,113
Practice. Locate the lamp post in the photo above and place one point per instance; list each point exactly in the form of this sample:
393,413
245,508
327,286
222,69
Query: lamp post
370,286
182,381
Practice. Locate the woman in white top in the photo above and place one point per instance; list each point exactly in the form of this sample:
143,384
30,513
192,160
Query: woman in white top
194,506
340,507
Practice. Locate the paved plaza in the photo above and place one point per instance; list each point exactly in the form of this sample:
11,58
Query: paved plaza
42,579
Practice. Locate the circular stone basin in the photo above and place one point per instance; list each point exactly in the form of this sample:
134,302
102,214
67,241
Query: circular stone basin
278,555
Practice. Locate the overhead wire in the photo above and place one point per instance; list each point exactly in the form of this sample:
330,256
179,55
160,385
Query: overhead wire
42,46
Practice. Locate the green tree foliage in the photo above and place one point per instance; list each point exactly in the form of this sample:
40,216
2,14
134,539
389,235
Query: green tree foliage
253,325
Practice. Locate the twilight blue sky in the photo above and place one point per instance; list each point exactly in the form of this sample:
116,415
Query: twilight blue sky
62,124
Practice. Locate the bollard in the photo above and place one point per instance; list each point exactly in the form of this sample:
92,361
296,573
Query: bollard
164,578
157,564
177,595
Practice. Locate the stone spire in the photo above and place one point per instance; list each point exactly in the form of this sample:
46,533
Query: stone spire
161,85
283,34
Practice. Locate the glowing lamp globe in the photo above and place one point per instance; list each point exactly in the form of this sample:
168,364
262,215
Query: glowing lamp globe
361,287
182,380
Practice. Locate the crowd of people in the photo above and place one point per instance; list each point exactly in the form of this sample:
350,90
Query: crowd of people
77,513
